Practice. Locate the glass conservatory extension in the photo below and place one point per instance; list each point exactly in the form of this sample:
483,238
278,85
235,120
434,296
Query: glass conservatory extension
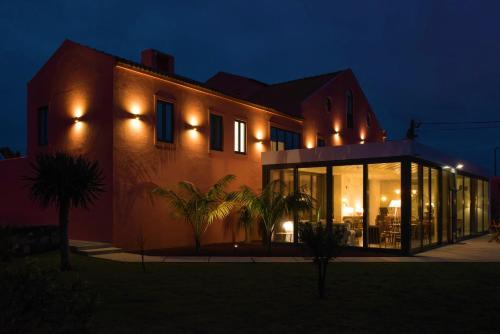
399,196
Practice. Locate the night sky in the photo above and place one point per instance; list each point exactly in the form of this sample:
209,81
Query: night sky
428,60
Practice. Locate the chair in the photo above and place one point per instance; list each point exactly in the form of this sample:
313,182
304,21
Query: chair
495,231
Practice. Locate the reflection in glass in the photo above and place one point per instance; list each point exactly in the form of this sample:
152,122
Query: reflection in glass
434,207
284,230
348,202
384,214
426,223
416,220
446,205
466,206
460,206
312,181
479,205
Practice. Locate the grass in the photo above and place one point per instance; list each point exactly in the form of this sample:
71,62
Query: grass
282,298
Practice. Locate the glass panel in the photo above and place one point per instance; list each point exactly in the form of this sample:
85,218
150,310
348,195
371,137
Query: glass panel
416,220
446,205
434,207
215,132
242,137
236,136
487,221
467,206
426,223
479,205
313,182
384,214
460,206
284,229
169,124
347,203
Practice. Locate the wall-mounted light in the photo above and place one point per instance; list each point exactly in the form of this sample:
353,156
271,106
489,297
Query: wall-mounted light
446,167
460,165
191,127
76,120
137,117
336,132
362,141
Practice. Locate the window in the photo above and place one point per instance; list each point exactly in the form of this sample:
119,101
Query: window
164,121
42,126
349,110
320,142
368,119
328,104
284,140
240,133
216,132
384,205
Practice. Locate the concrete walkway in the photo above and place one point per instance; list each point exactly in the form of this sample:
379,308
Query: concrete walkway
473,250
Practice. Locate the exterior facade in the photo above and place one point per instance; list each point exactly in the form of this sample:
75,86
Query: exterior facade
148,126
395,196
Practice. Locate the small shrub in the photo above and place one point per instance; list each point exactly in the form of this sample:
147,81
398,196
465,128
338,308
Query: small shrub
37,300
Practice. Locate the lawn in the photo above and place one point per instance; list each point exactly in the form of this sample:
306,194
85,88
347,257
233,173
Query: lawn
281,298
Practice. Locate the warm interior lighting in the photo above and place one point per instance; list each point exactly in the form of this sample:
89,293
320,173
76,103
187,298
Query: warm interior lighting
288,226
460,166
397,191
383,198
413,192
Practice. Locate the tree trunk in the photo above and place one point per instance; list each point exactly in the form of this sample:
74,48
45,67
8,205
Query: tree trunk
63,235
269,242
246,234
197,245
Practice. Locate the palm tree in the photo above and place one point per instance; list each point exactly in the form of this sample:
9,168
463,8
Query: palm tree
66,182
200,209
272,204
245,221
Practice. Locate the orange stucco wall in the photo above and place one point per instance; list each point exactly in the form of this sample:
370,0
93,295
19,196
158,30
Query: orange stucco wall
77,81
141,163
320,122
106,96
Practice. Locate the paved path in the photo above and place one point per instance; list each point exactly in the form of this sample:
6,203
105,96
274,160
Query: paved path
473,250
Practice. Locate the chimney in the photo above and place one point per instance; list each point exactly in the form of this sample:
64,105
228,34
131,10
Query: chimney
158,61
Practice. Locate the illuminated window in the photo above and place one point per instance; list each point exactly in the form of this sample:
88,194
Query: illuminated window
349,110
216,132
164,121
284,140
240,134
42,126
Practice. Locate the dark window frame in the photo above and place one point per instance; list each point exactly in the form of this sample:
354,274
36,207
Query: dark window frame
214,145
279,135
162,121
237,128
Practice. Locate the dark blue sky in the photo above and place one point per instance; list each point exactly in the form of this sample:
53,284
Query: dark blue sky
428,60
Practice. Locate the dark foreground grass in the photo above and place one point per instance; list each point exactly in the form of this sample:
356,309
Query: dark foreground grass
282,298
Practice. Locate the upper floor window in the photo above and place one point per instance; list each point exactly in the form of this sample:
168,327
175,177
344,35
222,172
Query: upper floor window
284,140
42,125
368,119
328,104
164,121
240,134
320,142
216,132
349,110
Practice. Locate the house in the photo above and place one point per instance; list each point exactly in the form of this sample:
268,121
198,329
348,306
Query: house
149,126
